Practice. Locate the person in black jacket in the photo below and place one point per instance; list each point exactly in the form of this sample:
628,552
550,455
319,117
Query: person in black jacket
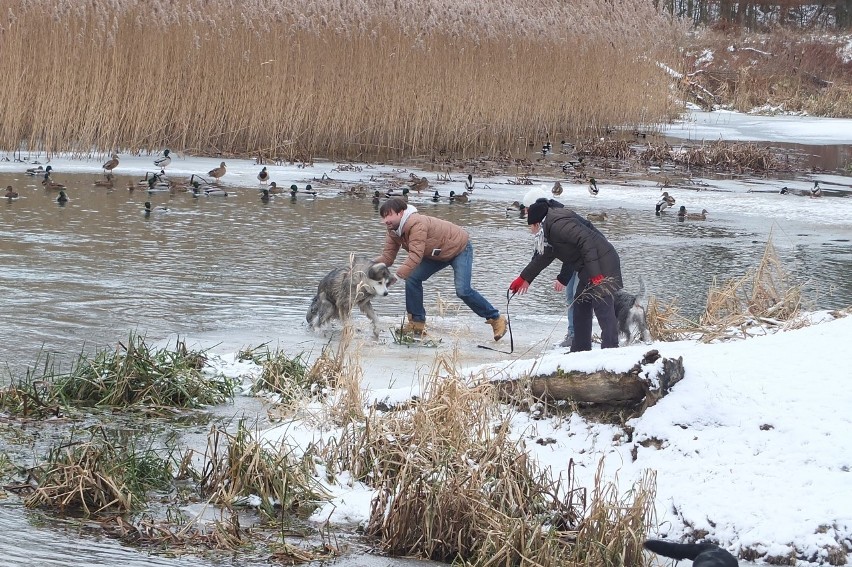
563,234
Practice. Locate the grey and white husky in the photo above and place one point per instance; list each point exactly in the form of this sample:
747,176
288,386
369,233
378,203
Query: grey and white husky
344,288
631,316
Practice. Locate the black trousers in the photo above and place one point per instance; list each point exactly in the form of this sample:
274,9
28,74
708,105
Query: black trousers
587,301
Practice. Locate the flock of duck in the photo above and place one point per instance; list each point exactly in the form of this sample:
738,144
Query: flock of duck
159,182
666,201
198,185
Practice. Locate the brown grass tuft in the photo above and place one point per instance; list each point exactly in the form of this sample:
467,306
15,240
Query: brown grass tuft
764,296
454,485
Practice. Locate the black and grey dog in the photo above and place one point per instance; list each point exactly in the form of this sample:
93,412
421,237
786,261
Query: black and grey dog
701,554
631,316
344,288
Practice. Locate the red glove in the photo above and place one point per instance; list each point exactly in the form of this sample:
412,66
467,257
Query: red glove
519,285
597,280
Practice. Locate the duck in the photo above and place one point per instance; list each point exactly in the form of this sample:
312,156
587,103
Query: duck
37,170
546,148
11,193
573,165
217,172
517,206
419,183
697,216
468,185
107,181
557,189
436,196
62,198
264,195
665,202
377,197
463,198
597,217
111,164
164,160
681,213
199,181
51,184
158,185
149,209
157,176
309,190
593,187
215,192
274,189
263,176
816,191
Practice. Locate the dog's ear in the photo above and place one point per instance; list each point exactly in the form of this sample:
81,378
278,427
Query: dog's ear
375,271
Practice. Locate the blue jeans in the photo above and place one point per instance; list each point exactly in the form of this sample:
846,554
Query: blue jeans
570,291
462,270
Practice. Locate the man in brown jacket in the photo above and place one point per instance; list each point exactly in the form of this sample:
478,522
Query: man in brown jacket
432,245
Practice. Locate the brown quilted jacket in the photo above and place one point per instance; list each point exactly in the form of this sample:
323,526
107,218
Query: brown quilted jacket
424,237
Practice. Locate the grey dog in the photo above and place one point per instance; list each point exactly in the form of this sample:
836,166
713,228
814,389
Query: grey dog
631,316
344,288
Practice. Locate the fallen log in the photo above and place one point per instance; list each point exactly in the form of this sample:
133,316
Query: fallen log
600,387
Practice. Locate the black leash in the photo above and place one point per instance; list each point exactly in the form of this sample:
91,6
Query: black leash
509,325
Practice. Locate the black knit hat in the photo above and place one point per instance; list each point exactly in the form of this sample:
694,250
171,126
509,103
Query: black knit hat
537,211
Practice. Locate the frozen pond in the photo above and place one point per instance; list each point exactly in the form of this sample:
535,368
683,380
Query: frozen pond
84,274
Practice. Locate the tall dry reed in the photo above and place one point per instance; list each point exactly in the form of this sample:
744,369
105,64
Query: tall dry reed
332,78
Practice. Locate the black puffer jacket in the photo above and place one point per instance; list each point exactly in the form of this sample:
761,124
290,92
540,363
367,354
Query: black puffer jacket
572,239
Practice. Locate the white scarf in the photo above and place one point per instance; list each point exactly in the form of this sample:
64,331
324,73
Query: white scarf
409,210
540,240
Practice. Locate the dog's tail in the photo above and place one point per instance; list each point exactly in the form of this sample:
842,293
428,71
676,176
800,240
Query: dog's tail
642,296
677,550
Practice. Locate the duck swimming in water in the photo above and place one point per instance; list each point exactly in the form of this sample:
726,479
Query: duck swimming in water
463,198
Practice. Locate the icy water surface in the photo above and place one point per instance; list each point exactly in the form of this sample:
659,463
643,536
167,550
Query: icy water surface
82,275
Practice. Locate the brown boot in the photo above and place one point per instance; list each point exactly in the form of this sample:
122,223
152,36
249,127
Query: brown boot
416,328
499,326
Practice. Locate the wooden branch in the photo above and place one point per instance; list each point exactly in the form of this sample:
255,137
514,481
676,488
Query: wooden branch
600,387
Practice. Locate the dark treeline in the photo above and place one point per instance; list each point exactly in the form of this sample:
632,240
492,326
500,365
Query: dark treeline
835,14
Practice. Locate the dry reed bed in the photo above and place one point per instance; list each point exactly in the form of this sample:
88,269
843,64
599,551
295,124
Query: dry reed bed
764,296
794,70
299,78
454,486
718,154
